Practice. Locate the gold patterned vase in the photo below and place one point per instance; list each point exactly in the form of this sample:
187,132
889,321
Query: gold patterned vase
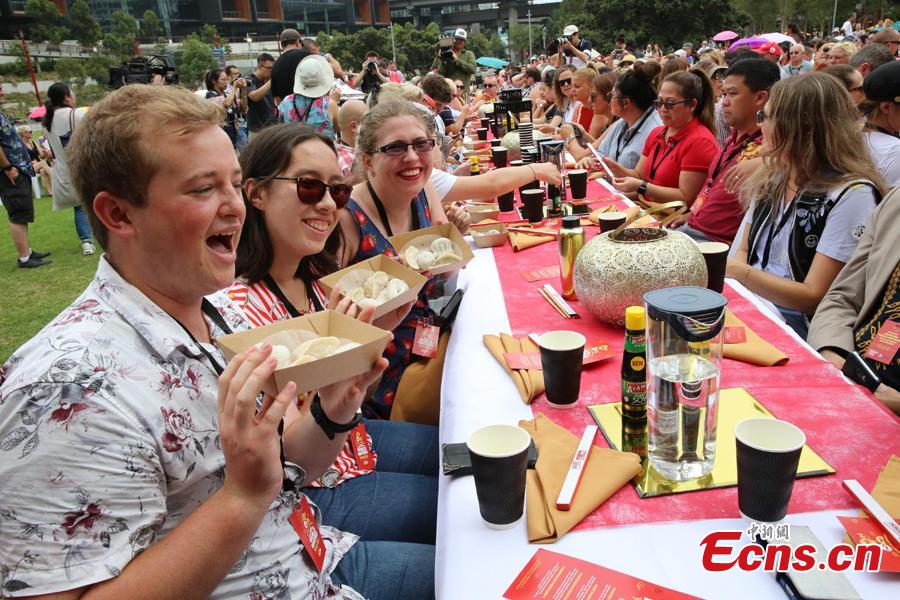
613,273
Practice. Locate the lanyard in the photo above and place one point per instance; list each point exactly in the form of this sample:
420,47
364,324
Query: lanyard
775,230
720,164
310,293
654,166
383,214
627,134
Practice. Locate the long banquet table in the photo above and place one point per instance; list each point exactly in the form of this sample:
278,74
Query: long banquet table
475,562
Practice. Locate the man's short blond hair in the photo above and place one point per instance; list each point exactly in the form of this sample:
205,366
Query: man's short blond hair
114,149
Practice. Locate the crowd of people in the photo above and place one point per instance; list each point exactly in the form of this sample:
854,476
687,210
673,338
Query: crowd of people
131,447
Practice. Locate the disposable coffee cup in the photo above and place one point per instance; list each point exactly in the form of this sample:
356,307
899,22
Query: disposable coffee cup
499,462
499,155
533,200
562,354
578,184
482,133
495,143
768,452
610,220
506,202
485,122
716,256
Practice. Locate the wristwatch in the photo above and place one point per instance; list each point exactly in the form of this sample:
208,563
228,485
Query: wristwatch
329,427
642,189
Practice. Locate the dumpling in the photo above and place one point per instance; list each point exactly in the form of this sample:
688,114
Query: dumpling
376,282
396,287
425,259
316,348
411,254
441,245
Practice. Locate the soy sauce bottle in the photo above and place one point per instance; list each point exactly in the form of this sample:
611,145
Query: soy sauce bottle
634,383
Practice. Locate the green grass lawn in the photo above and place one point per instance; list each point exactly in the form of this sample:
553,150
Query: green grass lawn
32,297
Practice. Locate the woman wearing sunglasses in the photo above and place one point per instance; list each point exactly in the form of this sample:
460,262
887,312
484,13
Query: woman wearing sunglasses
810,202
676,156
294,193
394,156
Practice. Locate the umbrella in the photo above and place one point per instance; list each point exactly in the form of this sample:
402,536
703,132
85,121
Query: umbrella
37,112
752,42
778,38
491,62
725,36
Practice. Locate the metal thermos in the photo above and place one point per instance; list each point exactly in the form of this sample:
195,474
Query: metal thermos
571,241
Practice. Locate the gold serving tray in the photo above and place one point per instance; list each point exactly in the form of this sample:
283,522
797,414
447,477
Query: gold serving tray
735,405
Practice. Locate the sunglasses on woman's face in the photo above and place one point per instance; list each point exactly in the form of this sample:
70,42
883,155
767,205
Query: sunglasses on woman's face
310,191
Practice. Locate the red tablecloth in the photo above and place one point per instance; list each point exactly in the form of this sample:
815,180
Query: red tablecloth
842,422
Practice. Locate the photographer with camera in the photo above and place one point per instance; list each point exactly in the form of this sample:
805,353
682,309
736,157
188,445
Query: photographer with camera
370,78
570,49
453,61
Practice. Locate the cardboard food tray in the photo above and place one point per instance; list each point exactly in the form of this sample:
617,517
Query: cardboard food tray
325,371
419,237
414,280
489,241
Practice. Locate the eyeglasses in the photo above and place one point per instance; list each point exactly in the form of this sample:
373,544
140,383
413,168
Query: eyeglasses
761,117
668,104
310,191
565,82
421,146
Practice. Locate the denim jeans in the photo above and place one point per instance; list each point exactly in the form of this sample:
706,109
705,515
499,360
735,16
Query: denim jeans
82,228
396,503
388,570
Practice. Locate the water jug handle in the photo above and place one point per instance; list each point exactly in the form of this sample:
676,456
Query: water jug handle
679,208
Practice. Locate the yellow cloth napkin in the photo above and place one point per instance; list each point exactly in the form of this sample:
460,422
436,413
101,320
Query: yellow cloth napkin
530,383
606,471
755,350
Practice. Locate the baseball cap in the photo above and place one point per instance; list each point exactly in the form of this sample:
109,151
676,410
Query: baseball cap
460,34
570,30
770,48
883,84
289,35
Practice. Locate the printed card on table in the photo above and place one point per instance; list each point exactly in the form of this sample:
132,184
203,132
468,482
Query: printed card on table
553,575
863,530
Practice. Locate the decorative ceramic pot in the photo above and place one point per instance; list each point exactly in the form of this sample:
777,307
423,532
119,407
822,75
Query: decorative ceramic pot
612,274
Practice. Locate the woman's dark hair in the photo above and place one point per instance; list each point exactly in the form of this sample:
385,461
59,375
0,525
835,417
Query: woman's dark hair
696,85
56,95
211,77
269,153
636,84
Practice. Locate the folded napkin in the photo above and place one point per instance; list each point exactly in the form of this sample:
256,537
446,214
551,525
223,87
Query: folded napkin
755,350
530,383
605,473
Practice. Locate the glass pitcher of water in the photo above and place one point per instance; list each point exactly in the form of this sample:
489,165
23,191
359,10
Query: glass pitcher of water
684,353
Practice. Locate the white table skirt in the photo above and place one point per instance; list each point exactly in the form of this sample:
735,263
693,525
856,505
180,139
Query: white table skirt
474,562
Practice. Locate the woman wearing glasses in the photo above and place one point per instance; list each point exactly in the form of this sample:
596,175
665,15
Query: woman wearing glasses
676,156
811,201
394,156
294,193
632,102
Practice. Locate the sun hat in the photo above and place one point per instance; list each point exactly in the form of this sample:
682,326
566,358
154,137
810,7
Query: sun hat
313,77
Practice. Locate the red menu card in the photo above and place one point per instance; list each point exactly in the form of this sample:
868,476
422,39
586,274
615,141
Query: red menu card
552,575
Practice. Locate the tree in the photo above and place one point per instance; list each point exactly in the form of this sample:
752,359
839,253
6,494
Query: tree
150,25
193,60
122,36
46,18
71,70
85,28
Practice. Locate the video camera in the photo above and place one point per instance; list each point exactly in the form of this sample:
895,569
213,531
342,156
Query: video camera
141,70
445,47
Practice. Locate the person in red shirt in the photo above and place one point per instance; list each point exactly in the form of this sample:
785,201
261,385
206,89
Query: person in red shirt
716,214
677,154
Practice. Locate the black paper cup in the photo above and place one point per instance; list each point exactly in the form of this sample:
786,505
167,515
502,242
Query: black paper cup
507,201
482,133
562,354
533,200
610,220
716,256
495,143
578,184
768,452
485,122
499,462
498,155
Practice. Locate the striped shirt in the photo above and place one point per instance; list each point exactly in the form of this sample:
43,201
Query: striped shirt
262,307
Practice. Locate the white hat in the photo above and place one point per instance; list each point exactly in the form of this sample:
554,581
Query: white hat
570,30
313,77
461,34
